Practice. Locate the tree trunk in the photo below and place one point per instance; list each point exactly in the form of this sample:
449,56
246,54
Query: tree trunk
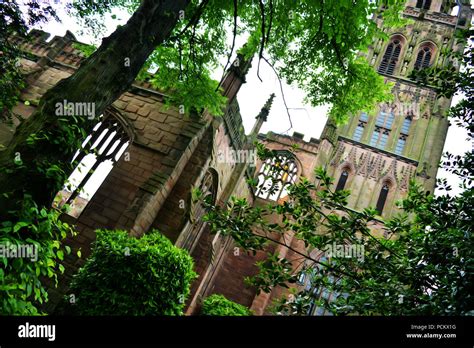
101,79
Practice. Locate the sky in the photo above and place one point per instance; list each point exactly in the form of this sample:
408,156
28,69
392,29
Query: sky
306,119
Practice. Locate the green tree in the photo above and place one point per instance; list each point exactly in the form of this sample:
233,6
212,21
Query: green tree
37,228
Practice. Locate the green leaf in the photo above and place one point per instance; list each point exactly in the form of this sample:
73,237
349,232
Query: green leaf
19,225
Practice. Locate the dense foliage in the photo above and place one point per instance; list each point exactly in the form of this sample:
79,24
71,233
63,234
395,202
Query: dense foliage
34,228
423,267
21,276
218,305
311,44
133,276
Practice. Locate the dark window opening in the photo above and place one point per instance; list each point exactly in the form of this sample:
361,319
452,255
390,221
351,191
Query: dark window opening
424,4
423,58
382,198
342,180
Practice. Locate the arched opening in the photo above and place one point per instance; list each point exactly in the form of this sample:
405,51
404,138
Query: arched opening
342,180
317,291
195,225
96,158
275,175
391,56
203,246
382,198
454,11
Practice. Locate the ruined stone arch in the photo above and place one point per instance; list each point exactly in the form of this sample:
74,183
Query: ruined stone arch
99,152
204,246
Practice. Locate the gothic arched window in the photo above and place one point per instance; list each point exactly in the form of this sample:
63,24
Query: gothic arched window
424,4
276,174
321,292
423,58
390,58
96,157
342,180
382,198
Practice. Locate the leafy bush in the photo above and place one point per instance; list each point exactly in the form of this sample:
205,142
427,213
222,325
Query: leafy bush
218,305
130,276
36,233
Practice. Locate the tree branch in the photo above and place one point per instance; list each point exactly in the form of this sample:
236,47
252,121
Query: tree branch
281,89
270,22
308,257
194,19
233,45
262,42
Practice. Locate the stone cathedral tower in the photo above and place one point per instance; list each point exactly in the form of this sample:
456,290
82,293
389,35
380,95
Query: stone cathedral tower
375,156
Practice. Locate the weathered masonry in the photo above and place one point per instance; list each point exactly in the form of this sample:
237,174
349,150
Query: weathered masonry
151,156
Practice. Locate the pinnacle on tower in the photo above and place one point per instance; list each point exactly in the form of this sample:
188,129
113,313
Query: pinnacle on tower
262,116
266,108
